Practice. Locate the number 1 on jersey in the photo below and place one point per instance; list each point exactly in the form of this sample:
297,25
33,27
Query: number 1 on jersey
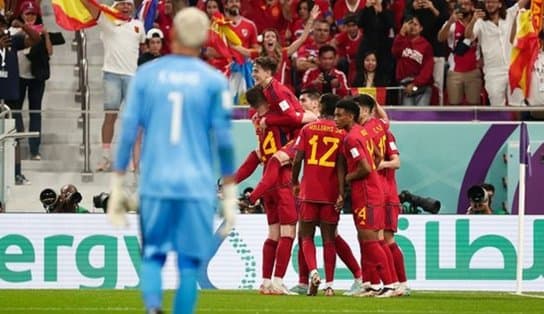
176,99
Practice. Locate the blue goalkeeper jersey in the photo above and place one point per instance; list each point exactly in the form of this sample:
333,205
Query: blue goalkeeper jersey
183,108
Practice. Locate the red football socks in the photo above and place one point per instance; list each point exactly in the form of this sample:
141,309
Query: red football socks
303,272
269,179
370,272
374,254
283,255
346,255
329,257
308,247
398,258
269,257
390,261
248,167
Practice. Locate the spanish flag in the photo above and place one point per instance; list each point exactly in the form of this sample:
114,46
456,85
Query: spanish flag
379,93
72,15
526,47
221,35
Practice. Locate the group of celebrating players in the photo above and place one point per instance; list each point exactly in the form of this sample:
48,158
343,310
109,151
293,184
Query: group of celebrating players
339,142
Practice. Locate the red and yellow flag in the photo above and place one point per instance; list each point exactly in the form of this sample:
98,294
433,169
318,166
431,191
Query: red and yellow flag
72,15
526,48
379,93
221,34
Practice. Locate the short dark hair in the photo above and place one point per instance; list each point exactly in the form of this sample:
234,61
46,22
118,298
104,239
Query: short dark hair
255,97
311,92
365,100
326,48
267,63
328,102
350,106
350,18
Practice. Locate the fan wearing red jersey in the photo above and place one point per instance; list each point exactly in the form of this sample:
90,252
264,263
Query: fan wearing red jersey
278,202
366,194
377,129
386,169
318,145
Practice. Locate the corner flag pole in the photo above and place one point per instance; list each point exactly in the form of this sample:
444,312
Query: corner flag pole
524,160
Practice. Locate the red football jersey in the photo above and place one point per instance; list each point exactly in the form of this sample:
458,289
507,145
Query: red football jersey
270,139
356,147
377,129
389,174
247,32
321,142
287,112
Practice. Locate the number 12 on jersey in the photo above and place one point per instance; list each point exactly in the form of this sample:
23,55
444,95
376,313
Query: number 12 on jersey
331,145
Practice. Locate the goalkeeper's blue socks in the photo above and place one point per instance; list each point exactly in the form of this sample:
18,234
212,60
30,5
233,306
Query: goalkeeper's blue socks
151,281
186,295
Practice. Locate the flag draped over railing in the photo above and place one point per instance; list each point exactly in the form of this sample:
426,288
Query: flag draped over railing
379,93
72,15
526,47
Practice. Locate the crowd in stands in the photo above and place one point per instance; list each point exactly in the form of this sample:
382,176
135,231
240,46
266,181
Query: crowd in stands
411,52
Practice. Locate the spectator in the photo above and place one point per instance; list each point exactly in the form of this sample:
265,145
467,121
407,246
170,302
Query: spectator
243,27
536,91
347,43
209,53
9,73
268,14
492,29
343,7
33,72
121,49
414,57
296,27
367,74
154,43
326,78
376,21
306,56
164,23
432,15
271,47
464,79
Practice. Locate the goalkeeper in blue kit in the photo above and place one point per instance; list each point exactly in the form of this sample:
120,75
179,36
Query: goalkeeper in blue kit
183,108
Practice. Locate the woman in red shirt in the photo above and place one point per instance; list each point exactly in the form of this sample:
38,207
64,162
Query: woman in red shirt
271,47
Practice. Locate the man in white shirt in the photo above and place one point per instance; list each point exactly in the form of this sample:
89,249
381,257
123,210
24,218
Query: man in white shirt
122,42
492,28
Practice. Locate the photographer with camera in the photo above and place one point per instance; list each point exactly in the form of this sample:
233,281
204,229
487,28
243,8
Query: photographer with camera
66,202
480,200
464,78
326,78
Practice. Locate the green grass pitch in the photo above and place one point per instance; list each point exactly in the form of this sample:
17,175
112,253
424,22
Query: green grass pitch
229,301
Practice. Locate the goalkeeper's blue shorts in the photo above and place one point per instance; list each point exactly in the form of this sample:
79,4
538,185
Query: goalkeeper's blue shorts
177,225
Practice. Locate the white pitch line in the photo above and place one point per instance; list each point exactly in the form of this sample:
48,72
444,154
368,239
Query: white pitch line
528,295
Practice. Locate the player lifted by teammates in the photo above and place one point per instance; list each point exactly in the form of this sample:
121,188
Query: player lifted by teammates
278,201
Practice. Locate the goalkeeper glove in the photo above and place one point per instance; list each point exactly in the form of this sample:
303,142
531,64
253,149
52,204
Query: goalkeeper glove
228,210
119,202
